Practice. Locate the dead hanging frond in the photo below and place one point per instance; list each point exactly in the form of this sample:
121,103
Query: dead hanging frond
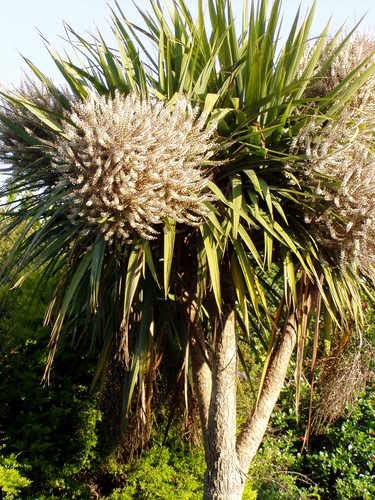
343,376
306,299
130,163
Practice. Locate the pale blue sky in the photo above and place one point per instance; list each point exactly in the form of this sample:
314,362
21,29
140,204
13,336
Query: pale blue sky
20,20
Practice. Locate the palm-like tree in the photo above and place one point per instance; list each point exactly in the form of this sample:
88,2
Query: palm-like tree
234,199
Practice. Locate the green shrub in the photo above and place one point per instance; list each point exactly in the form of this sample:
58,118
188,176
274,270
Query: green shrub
173,470
339,463
12,480
276,471
342,461
164,472
52,429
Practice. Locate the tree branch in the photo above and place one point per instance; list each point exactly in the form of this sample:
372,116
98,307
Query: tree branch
253,430
202,378
202,375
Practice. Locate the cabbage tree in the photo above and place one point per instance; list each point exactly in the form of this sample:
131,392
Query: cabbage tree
169,183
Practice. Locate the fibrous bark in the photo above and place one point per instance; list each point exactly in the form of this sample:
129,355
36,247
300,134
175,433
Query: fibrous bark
223,477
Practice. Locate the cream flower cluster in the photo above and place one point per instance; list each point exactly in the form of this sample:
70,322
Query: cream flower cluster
355,51
339,165
131,163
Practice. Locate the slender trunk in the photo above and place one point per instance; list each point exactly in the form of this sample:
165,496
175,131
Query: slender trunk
223,479
252,433
202,378
200,361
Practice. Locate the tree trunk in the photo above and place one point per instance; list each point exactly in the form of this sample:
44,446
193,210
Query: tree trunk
223,478
228,458
252,433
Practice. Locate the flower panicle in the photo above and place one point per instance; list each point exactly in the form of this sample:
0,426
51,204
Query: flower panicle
337,164
131,163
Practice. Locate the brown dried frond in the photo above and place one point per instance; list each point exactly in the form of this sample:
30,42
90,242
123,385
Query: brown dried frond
131,163
338,167
342,377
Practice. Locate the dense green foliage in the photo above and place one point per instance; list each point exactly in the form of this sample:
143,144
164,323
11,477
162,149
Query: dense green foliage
51,430
164,472
12,479
338,464
342,461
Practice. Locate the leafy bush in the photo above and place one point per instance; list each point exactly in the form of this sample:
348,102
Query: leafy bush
51,429
342,461
12,480
339,463
164,473
273,470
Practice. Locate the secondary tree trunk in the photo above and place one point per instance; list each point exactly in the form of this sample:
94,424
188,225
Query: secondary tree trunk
202,378
252,432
